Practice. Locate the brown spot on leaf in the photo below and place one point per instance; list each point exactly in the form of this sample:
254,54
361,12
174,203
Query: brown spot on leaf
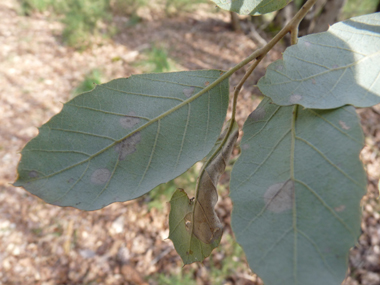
340,208
245,146
258,114
279,197
129,121
343,125
188,91
33,174
128,145
100,176
207,83
313,81
295,98
188,222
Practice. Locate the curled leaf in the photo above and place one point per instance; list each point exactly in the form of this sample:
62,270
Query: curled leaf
194,227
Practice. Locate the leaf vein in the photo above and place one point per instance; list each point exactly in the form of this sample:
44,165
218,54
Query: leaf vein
171,82
142,94
107,112
56,151
266,158
82,133
318,251
72,187
328,160
327,207
183,136
151,155
333,125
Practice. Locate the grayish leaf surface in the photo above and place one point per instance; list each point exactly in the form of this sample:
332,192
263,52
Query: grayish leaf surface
251,7
330,69
296,190
125,137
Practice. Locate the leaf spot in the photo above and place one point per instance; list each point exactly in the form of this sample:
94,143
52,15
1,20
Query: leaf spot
335,66
258,114
307,44
295,98
207,83
245,146
33,174
340,208
280,67
100,176
279,197
187,221
343,125
313,81
128,145
188,91
129,121
187,225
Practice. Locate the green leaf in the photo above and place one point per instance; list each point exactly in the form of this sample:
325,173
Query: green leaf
123,138
296,190
189,247
194,227
251,7
330,69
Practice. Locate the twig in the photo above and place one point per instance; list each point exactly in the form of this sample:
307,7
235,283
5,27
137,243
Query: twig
241,83
257,55
293,23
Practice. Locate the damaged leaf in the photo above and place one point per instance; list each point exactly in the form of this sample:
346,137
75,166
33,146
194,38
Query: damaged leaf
123,138
194,227
296,190
330,69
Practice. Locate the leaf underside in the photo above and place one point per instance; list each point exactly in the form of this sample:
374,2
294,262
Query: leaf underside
123,138
331,69
251,7
296,190
194,226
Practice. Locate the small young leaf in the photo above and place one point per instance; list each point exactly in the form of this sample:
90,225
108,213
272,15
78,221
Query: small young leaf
251,7
330,69
296,190
123,138
194,227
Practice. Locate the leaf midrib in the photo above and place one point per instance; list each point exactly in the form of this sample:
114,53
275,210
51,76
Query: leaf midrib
321,73
163,115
